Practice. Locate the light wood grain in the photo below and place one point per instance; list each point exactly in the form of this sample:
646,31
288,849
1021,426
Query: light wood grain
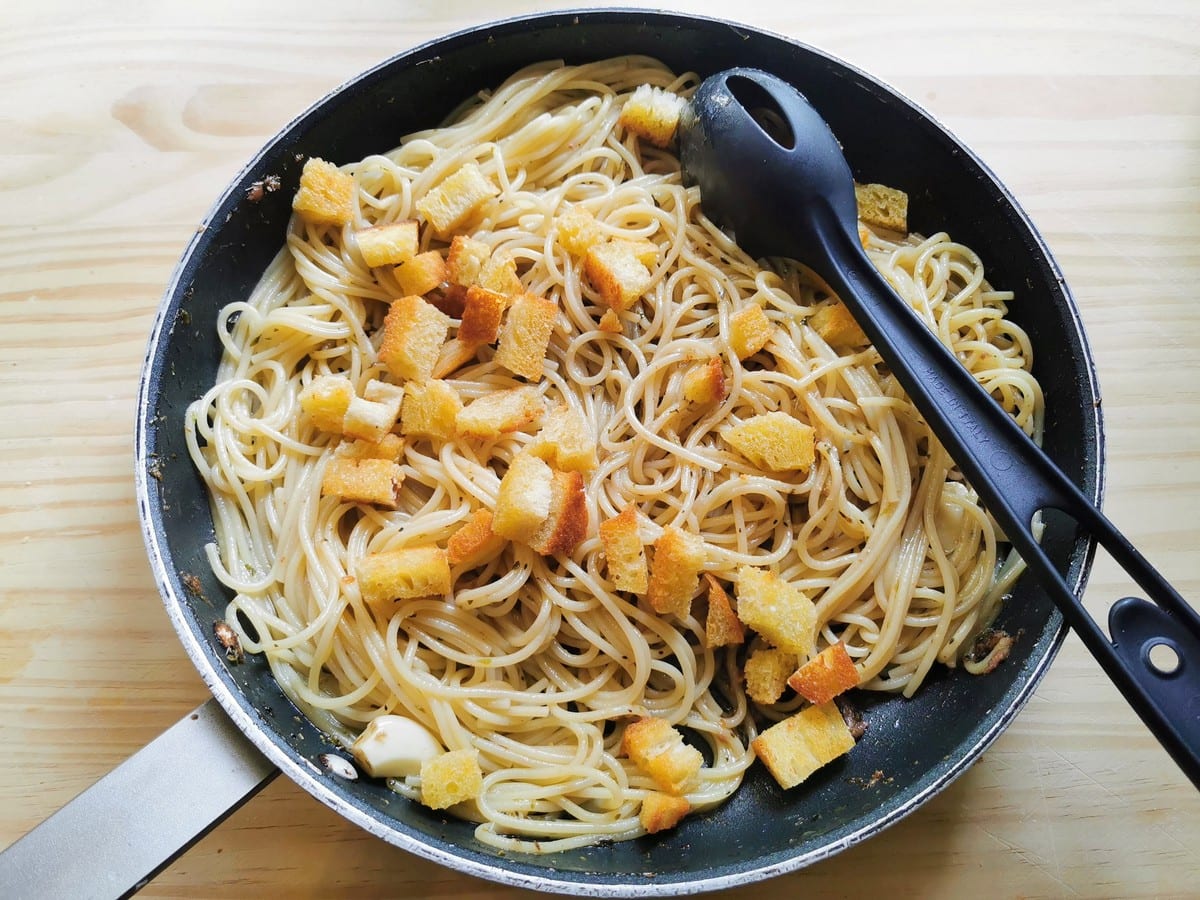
121,124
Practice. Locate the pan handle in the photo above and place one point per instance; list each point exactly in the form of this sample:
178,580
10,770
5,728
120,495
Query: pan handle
132,823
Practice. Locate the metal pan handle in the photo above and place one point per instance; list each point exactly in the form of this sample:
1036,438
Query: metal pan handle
131,824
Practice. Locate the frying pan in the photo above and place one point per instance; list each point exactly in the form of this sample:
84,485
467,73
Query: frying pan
919,745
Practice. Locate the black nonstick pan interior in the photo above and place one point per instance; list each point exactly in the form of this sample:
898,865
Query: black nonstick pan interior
912,748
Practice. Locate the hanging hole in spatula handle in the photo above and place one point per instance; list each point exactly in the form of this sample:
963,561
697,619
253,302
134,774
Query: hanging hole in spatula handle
1153,650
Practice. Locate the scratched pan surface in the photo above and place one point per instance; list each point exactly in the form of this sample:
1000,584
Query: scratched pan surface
921,744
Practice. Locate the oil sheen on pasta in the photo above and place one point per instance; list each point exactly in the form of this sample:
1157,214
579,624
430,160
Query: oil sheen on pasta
534,660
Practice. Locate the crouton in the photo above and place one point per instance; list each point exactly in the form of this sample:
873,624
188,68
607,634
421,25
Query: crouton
388,245
616,273
450,299
652,113
767,671
449,204
799,745
325,399
500,412
326,195
566,441
777,610
388,447
662,811
524,500
371,416
422,273
500,274
622,541
722,626
882,206
749,330
481,316
675,572
829,673
775,441
578,231
567,523
465,259
413,334
610,322
837,326
475,542
526,335
429,410
451,778
363,480
403,574
454,355
705,383
658,750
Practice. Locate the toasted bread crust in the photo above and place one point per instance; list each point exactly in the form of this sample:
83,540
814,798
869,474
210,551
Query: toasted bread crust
403,574
775,440
705,383
829,673
749,330
413,334
675,571
421,274
449,204
652,113
388,245
882,206
662,811
658,750
799,745
501,412
326,195
526,335
481,316
767,671
623,549
475,542
778,611
722,627
567,523
365,480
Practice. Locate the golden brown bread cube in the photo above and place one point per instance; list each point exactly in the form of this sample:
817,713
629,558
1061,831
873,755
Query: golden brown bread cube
566,441
388,447
623,549
837,326
749,330
526,335
658,750
371,416
567,522
430,410
364,480
325,399
465,259
421,274
662,811
775,441
499,274
799,745
326,195
675,571
578,231
388,245
829,673
500,412
777,610
767,671
475,543
481,315
882,206
403,574
454,355
524,500
453,200
413,334
617,273
722,626
652,113
705,383
451,778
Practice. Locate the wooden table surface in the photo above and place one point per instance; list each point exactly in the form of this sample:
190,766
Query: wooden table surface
123,121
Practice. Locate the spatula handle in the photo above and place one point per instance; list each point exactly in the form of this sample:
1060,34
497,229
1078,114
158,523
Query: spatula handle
1015,479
